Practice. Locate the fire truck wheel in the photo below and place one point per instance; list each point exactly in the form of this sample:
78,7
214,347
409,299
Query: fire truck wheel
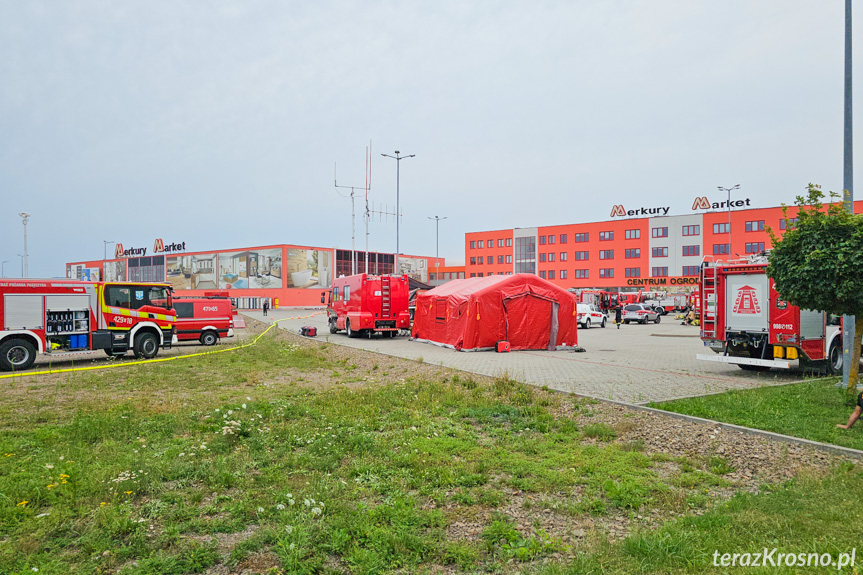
348,330
146,346
17,354
603,323
659,317
333,328
834,358
209,338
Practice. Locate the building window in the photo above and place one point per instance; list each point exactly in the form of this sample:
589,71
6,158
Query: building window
659,272
720,228
606,272
542,274
525,255
582,237
787,224
755,226
542,240
606,254
489,244
659,252
509,259
473,261
542,257
633,272
500,259
691,230
755,247
690,270
562,273
691,250
581,274
633,253
551,274
473,245
633,234
551,257
479,275
563,256
479,244
606,236
581,255
551,239
489,260
659,233
719,249
563,240
473,275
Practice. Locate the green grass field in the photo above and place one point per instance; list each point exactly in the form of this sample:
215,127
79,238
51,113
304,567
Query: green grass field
809,410
282,458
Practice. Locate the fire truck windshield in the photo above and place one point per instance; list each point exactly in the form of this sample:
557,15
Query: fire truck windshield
137,296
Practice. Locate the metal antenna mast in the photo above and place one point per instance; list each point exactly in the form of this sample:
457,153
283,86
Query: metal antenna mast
353,219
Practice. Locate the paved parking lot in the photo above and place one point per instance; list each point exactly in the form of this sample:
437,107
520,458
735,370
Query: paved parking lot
636,364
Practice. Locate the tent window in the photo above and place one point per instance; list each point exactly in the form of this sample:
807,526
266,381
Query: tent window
440,310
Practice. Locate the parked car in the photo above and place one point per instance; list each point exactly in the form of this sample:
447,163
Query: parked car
589,314
641,313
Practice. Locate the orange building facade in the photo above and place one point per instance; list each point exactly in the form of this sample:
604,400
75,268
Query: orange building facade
282,275
629,252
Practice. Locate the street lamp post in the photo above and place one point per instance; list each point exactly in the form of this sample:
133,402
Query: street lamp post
3,268
848,321
22,264
106,242
721,189
398,160
24,218
436,244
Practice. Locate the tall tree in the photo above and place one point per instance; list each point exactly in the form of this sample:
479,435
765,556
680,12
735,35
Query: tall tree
818,263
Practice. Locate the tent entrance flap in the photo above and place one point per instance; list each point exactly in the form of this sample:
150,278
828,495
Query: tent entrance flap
531,322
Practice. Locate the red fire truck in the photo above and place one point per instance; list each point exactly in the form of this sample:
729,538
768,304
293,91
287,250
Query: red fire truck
745,322
63,317
365,304
207,318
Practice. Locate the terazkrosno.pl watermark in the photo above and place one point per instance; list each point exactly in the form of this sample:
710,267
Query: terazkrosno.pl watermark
775,558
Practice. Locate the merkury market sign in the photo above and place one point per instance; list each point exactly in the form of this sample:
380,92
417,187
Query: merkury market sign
701,203
159,247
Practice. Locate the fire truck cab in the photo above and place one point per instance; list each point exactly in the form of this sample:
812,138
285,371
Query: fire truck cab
63,317
364,304
746,323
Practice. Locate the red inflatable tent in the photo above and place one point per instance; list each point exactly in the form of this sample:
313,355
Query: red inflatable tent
473,314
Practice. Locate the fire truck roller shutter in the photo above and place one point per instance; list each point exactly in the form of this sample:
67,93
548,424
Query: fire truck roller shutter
746,302
24,311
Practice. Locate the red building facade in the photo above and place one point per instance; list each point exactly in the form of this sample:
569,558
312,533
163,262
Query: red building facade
660,252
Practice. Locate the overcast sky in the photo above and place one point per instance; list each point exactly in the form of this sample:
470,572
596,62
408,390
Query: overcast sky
218,123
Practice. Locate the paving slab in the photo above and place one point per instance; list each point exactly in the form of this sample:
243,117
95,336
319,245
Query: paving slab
633,364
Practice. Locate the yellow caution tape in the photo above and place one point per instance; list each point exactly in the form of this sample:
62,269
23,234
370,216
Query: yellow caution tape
143,361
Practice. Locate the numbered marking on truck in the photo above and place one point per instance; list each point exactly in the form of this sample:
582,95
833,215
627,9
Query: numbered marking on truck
784,326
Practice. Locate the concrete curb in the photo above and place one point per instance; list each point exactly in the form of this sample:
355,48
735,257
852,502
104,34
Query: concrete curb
825,447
